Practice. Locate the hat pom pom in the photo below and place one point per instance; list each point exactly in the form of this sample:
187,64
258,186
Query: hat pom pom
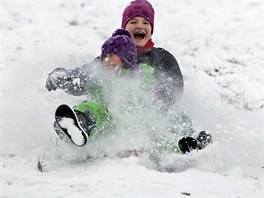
121,32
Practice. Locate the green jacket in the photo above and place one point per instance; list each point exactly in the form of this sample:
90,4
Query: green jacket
98,92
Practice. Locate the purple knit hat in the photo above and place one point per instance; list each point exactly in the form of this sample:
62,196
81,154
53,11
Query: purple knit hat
121,44
141,8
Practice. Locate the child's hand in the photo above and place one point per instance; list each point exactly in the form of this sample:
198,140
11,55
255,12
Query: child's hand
57,79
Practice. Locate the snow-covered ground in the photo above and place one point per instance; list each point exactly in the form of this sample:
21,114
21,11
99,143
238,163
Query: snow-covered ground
219,45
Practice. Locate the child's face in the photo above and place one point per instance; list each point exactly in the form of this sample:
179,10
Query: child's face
113,62
140,30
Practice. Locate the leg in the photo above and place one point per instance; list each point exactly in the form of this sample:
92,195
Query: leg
94,116
174,143
80,122
181,123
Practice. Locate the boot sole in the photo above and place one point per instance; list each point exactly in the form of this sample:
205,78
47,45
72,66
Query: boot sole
66,119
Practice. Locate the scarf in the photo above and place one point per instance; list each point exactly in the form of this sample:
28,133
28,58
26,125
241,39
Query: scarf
148,47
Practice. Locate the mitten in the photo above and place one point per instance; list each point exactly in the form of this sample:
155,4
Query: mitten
58,79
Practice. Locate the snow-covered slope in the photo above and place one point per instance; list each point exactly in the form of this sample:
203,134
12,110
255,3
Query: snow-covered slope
219,45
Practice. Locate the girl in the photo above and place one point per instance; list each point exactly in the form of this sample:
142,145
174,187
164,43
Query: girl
138,20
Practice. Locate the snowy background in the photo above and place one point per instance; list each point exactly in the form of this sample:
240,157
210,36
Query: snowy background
219,45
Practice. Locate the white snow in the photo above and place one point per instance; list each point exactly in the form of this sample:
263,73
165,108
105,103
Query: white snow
219,45
73,131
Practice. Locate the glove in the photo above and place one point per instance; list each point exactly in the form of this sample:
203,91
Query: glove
72,81
58,79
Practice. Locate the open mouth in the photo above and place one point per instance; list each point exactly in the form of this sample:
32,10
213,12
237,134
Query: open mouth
139,35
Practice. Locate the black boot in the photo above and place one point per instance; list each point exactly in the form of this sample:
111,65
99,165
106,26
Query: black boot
86,120
73,125
204,139
187,144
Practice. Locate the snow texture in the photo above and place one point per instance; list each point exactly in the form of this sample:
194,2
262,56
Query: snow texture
73,131
219,45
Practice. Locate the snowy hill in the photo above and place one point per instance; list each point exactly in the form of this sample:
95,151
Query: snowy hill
219,45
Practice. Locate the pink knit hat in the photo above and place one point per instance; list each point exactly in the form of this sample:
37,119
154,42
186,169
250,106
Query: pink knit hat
140,8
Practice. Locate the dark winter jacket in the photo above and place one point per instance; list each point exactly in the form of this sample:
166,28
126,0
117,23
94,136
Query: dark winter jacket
167,72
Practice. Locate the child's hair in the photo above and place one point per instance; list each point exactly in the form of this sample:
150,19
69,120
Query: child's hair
121,44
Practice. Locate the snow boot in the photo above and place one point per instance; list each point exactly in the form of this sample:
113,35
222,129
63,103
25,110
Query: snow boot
73,125
204,139
187,144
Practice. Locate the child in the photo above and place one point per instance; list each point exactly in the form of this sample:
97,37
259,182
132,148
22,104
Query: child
138,20
90,118
118,56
